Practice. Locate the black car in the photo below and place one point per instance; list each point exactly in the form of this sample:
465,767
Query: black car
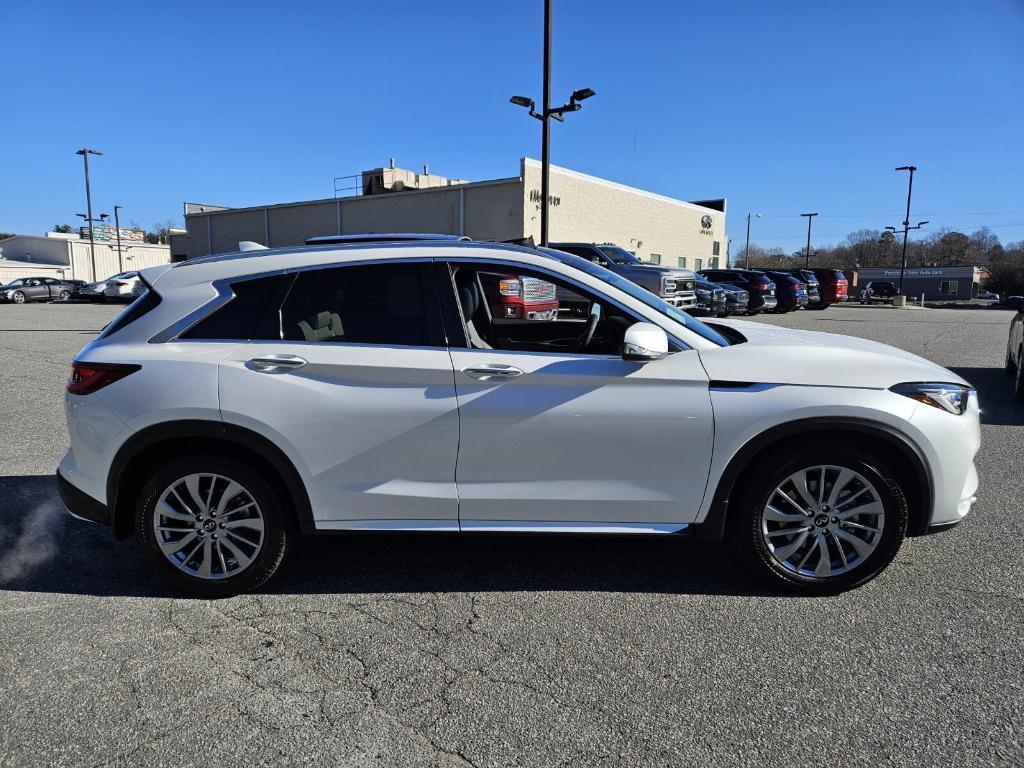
710,300
878,290
760,289
1015,346
26,289
736,299
789,290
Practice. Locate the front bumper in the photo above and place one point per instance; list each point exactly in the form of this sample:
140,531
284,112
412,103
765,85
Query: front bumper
80,504
681,302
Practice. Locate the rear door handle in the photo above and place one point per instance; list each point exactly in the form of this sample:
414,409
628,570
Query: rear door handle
484,373
272,363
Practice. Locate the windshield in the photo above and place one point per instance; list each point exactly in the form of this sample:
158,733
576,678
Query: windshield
640,294
618,255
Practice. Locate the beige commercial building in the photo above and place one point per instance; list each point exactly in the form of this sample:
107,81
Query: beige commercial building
583,209
69,257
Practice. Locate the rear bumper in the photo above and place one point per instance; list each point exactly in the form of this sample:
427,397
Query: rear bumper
80,504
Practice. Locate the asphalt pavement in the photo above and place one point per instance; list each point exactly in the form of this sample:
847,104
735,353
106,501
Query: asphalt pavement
486,651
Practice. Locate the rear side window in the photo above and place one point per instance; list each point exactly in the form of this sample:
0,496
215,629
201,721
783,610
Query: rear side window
146,303
240,319
389,304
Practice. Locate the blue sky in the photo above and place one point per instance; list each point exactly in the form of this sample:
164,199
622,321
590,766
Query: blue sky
782,107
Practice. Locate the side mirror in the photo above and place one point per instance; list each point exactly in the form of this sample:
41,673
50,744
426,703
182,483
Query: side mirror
1016,303
644,342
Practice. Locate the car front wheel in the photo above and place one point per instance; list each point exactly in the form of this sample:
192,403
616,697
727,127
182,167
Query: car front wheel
18,297
211,526
65,295
824,520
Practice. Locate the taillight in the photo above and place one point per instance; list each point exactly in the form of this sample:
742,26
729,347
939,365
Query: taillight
795,288
86,378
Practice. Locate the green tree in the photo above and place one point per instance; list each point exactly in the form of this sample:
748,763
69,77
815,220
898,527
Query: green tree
63,228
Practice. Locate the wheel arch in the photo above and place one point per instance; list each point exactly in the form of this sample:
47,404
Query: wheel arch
897,447
155,443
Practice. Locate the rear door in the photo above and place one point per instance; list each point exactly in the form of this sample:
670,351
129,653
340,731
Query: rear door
353,380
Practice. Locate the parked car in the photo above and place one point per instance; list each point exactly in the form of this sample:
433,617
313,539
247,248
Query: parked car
91,291
736,299
760,289
711,300
76,288
674,285
514,297
790,291
809,279
878,290
832,284
1015,346
245,400
123,287
26,289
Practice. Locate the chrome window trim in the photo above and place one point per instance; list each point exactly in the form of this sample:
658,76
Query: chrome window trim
225,294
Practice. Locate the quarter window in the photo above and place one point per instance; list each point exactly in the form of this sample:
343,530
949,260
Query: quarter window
240,317
388,304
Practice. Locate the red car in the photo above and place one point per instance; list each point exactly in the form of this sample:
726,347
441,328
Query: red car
832,283
513,297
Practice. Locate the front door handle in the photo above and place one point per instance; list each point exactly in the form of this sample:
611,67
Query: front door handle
486,373
272,363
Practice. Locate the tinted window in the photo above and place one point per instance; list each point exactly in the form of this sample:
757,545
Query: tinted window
239,318
147,302
372,304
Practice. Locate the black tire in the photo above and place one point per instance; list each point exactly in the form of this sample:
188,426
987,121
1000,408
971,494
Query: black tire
1009,366
745,519
277,534
18,297
1018,381
65,295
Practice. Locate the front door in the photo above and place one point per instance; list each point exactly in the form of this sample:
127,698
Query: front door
559,431
359,392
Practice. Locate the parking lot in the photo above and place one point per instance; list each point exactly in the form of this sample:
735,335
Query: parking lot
480,651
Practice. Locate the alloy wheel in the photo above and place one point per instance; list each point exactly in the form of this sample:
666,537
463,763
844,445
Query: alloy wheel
822,521
18,297
208,526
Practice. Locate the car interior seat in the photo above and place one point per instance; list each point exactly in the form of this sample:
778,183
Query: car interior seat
323,326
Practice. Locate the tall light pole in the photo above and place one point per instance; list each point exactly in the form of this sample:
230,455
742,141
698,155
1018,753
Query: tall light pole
88,204
545,116
117,230
906,221
746,251
807,257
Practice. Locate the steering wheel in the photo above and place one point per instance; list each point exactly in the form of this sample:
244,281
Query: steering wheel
583,340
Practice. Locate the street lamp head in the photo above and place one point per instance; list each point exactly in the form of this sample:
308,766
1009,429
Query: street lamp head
582,94
758,215
808,214
88,152
522,101
921,223
104,216
82,215
891,229
907,168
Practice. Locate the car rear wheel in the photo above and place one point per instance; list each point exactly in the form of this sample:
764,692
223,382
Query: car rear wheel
824,520
211,526
18,297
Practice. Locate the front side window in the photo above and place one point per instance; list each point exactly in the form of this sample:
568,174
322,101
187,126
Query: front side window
511,308
388,304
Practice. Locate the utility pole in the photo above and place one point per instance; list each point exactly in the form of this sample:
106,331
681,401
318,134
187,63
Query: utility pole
746,251
88,205
117,229
906,221
546,114
807,257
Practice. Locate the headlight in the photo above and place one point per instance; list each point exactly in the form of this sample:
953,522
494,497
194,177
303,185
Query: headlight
948,397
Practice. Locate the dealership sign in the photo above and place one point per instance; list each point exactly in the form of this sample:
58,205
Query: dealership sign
705,225
105,232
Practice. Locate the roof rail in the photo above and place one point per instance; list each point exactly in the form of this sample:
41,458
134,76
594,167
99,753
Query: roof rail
379,238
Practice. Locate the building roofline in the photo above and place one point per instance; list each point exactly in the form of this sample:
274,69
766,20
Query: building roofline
325,200
529,161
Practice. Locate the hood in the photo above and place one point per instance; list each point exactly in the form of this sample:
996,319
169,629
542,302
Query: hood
658,268
774,355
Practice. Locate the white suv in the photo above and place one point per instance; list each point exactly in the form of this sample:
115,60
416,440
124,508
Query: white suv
251,397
